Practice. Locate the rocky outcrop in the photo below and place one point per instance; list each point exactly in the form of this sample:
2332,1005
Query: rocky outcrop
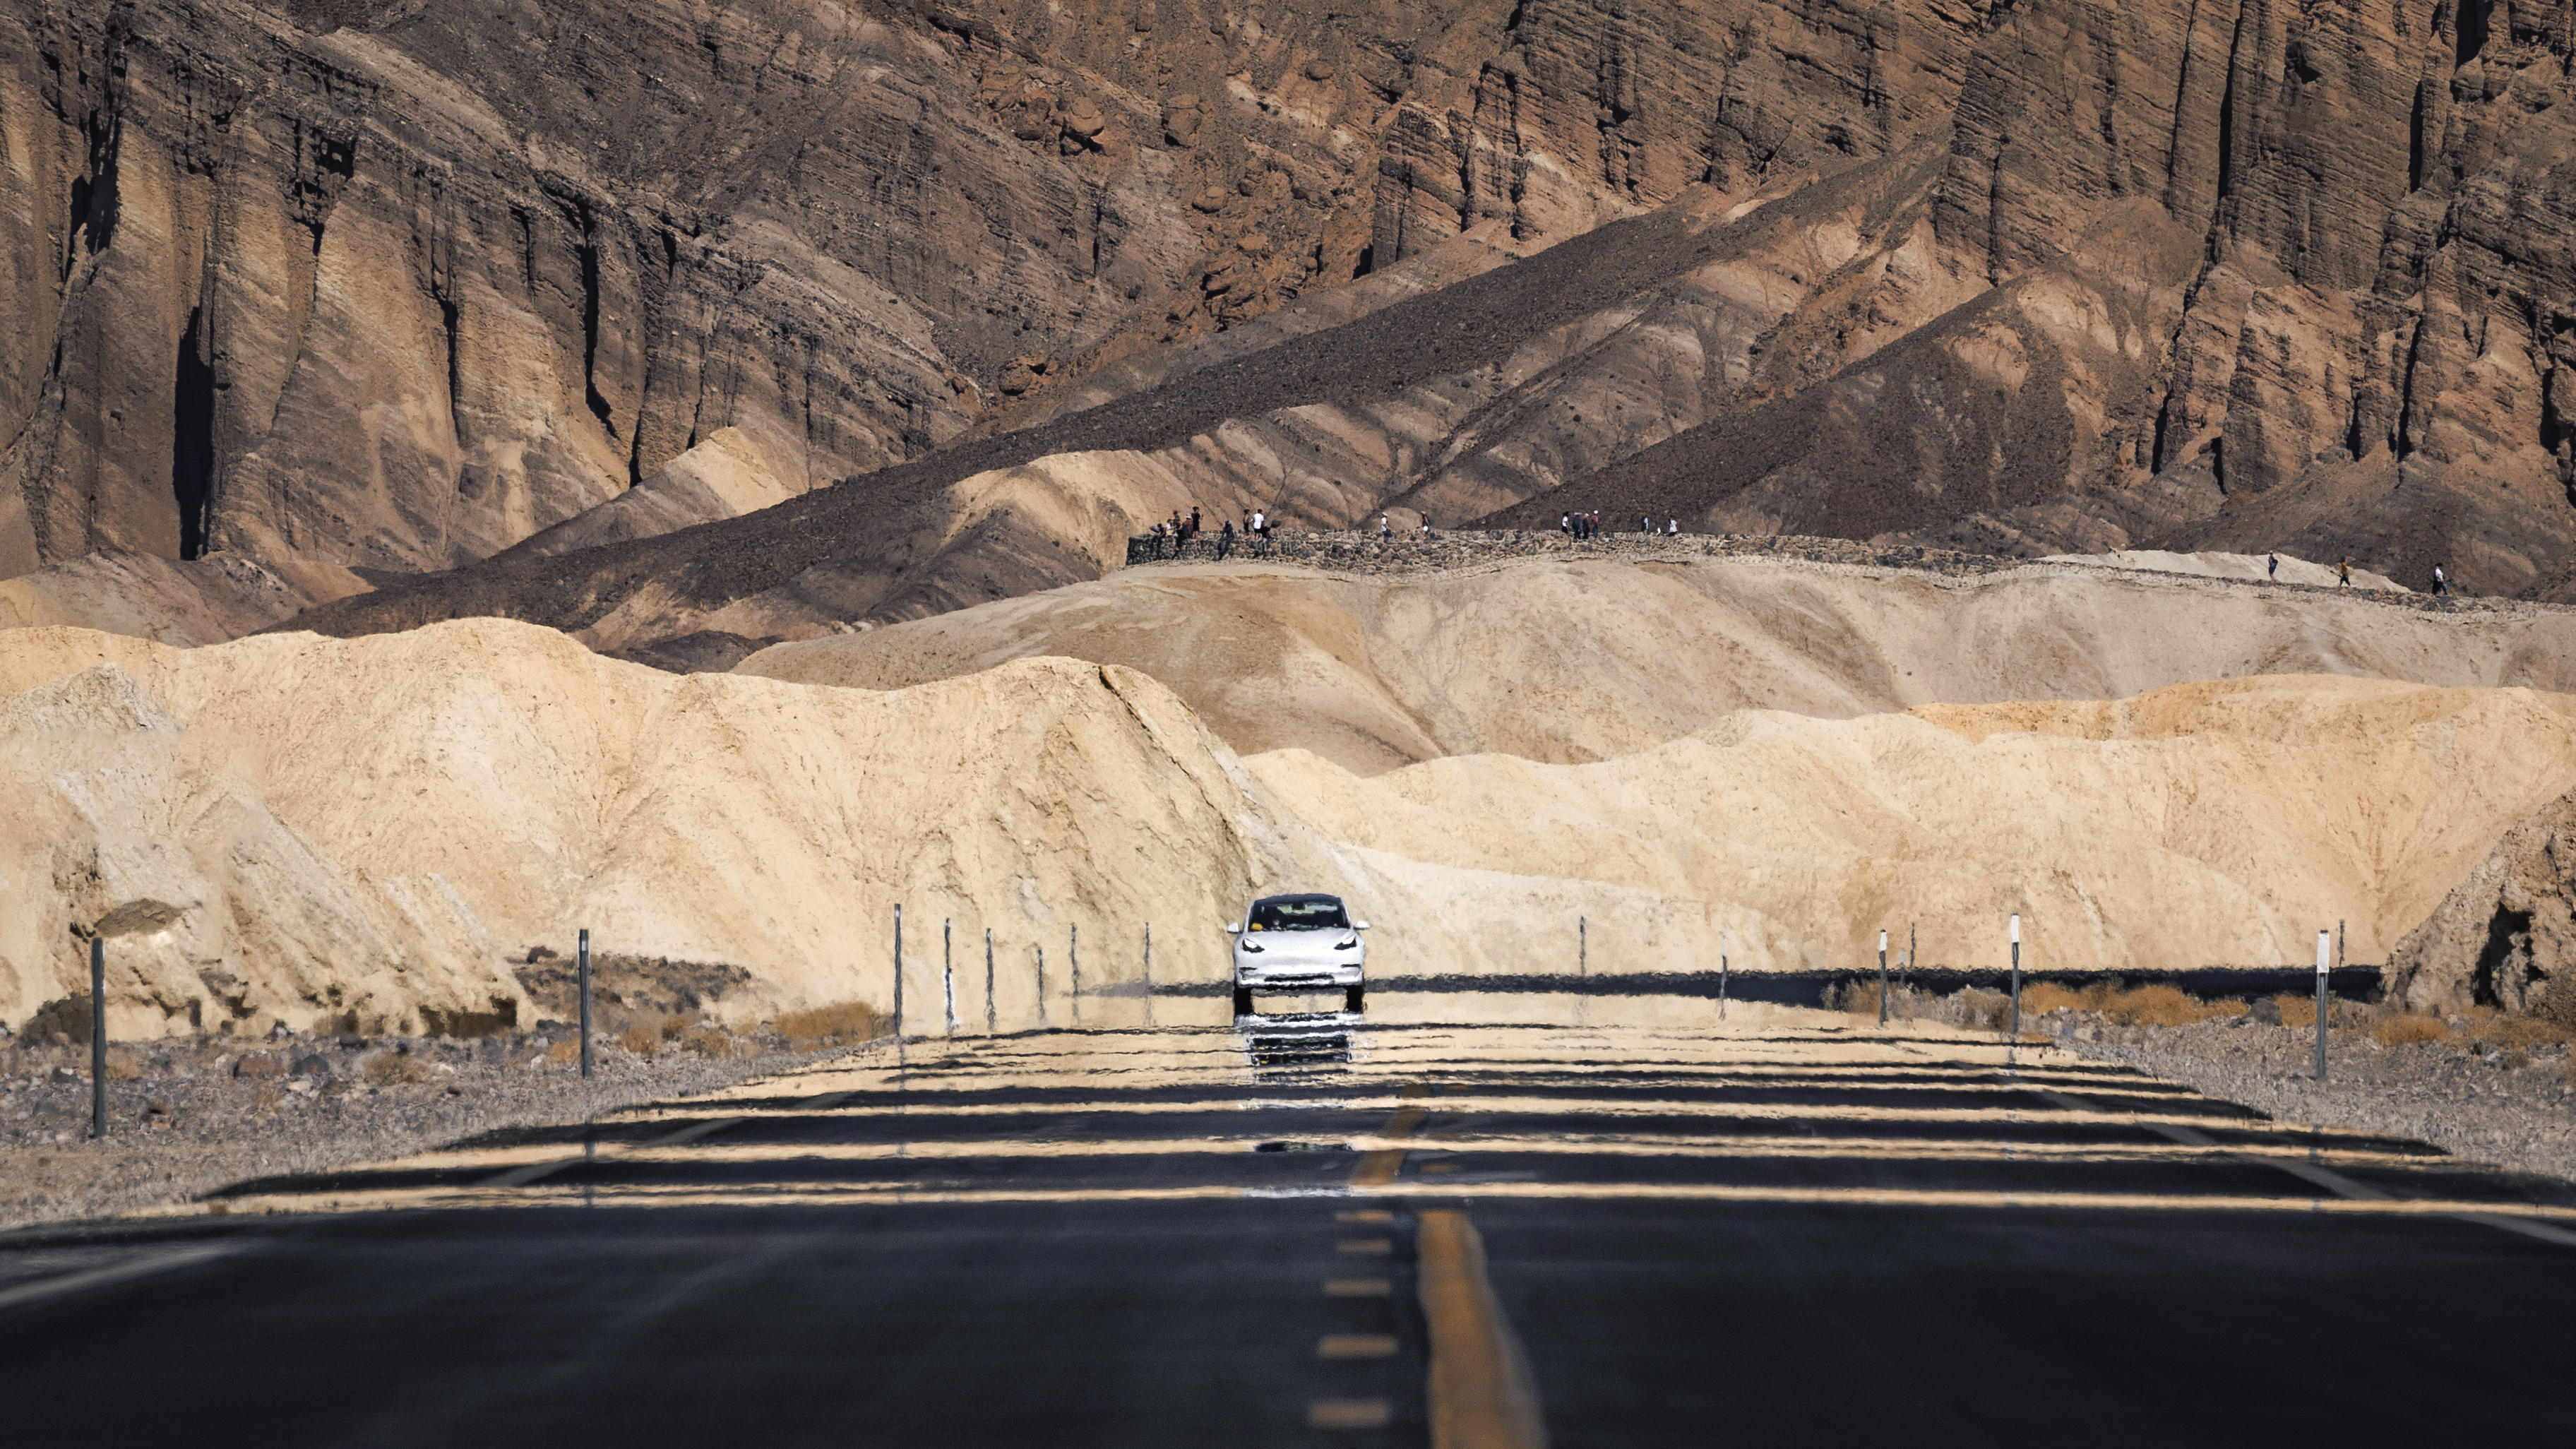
2033,278
2506,936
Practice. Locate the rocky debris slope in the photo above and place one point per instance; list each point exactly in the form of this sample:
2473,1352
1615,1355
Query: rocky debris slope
2468,1095
187,1116
200,601
373,834
2506,935
1381,654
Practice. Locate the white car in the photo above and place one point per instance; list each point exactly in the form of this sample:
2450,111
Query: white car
1297,943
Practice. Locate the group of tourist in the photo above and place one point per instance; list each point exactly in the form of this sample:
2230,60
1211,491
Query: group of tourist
1179,529
1580,526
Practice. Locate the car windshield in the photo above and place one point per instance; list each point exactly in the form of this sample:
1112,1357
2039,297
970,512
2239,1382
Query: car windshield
1299,913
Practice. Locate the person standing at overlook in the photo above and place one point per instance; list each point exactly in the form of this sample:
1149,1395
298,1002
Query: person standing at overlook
2343,573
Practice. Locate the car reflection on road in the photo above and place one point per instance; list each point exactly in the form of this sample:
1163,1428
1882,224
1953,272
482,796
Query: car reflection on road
1297,1042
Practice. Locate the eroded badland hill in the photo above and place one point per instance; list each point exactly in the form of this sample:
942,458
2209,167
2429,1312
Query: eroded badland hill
477,294
865,336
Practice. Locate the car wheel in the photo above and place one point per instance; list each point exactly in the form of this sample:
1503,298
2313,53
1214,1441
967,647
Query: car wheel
1242,1001
1352,996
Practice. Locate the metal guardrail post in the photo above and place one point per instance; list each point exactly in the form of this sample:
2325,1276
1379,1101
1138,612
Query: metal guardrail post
98,1038
1882,978
2321,1005
2013,1032
583,954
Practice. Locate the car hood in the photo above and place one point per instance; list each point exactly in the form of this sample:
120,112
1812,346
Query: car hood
1287,948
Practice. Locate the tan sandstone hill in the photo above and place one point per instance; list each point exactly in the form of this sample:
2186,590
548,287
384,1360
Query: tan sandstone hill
1566,661
373,831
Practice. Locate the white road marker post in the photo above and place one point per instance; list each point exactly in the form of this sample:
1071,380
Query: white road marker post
1582,947
1149,973
2321,1005
2013,1033
1723,942
1907,980
1041,950
992,1021
898,988
947,976
1882,978
1073,962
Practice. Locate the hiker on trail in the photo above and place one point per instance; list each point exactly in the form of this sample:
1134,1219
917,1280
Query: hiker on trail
1385,530
1156,533
1646,523
1426,525
1675,530
2271,568
2441,585
1194,521
1225,538
1565,524
1596,523
2343,573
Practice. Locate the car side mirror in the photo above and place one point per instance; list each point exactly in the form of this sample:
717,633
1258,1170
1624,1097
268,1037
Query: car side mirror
1360,926
1234,930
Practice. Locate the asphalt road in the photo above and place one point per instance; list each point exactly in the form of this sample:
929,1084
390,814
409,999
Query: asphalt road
1488,1235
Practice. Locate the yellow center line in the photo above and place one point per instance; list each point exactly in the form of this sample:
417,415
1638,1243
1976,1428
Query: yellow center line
1482,1396
1380,1166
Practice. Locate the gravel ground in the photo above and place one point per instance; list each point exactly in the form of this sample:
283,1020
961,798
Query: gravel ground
2473,1098
186,1117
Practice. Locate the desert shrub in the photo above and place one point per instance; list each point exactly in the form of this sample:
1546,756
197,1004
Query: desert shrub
122,1067
2041,997
2523,1032
673,1026
2167,1006
393,1069
710,1043
564,1053
845,1024
2297,1011
2400,1027
643,1041
1983,1010
1859,996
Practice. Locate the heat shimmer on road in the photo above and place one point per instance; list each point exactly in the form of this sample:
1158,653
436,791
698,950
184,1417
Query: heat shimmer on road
1789,1227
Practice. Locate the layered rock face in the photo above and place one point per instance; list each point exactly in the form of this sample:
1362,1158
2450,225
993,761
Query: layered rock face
2505,936
399,286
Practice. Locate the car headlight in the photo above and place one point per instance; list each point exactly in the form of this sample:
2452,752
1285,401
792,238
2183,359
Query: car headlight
1351,944
1248,946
